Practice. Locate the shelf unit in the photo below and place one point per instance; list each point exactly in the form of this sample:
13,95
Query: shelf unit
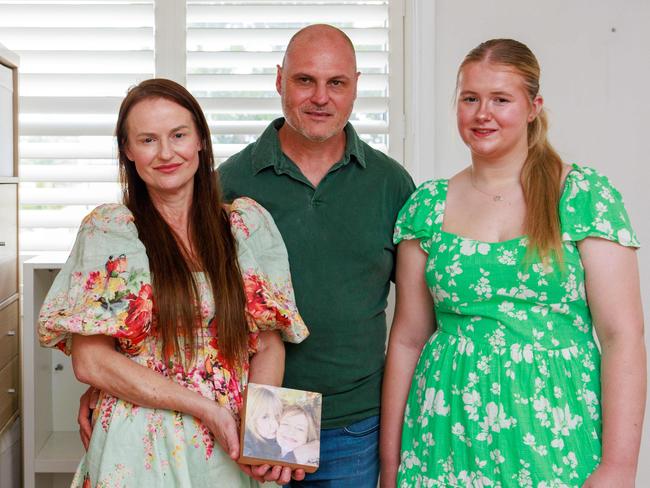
10,391
51,445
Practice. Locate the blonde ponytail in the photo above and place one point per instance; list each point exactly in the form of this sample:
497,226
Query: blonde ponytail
540,179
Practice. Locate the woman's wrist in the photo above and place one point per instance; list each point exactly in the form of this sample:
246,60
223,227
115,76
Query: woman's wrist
388,477
625,469
389,470
622,476
200,406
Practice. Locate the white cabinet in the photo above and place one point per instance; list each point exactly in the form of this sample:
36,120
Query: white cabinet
51,445
9,304
10,457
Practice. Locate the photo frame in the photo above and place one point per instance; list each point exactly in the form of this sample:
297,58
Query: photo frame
280,426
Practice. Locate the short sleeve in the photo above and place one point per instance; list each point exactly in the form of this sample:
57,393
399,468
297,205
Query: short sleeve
590,206
104,286
264,264
421,215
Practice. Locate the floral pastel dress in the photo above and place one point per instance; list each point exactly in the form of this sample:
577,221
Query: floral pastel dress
506,392
105,288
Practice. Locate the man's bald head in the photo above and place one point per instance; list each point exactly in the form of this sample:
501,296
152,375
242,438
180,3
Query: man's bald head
317,83
314,36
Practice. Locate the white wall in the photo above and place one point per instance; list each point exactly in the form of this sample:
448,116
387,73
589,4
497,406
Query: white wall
595,59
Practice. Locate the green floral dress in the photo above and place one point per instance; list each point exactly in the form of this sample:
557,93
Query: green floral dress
105,288
506,392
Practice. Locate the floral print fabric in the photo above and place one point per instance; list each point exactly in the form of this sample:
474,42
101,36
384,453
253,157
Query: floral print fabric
506,392
105,288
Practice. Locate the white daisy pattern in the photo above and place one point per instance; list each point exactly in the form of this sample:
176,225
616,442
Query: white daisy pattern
507,390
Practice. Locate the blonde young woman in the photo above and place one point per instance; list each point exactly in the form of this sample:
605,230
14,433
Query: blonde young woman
502,271
263,412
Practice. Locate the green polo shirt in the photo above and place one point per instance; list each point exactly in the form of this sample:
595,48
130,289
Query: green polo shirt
339,239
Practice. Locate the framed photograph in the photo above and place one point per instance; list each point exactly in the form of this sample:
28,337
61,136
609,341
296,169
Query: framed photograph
281,426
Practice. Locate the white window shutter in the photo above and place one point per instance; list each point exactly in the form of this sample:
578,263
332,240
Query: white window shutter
233,48
77,60
79,57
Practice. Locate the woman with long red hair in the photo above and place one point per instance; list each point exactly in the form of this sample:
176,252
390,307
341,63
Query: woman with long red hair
169,303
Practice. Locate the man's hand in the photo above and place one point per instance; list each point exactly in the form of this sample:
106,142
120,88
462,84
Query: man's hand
87,403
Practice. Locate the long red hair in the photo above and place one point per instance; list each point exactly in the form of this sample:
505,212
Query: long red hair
214,248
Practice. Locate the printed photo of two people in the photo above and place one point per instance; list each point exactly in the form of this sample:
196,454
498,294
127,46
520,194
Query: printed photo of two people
281,426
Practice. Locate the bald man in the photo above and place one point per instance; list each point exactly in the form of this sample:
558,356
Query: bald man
335,201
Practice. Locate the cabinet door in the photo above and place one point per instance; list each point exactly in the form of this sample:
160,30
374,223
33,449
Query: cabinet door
8,333
8,392
6,122
8,240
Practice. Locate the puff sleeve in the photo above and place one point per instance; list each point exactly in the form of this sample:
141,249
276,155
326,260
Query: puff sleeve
591,206
104,286
421,215
265,269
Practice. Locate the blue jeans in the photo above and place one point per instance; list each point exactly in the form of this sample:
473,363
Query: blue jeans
349,457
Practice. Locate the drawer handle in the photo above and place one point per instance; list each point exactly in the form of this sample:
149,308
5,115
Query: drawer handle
2,243
11,391
11,333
